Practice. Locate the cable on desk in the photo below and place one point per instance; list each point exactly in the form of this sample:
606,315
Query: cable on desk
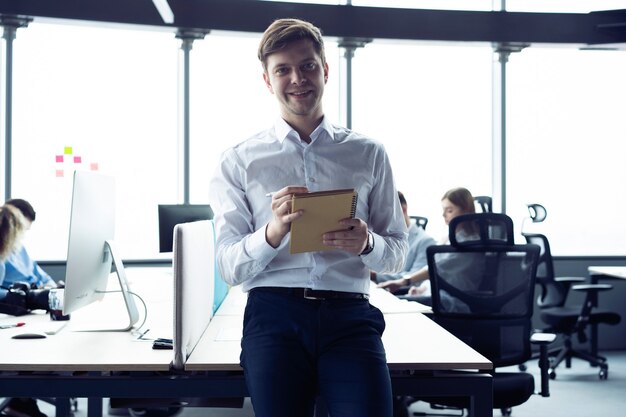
145,311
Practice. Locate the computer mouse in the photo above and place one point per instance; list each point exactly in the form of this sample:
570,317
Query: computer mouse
30,335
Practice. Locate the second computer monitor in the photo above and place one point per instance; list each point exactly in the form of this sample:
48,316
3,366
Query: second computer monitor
172,214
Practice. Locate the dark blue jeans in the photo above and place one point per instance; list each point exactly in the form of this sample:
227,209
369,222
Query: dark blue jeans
294,349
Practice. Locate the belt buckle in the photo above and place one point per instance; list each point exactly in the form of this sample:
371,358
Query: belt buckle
311,297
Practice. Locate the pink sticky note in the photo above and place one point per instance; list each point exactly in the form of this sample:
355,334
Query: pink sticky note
59,158
77,160
60,173
94,166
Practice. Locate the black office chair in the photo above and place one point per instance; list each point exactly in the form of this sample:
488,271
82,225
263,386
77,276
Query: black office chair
420,221
482,292
566,320
485,203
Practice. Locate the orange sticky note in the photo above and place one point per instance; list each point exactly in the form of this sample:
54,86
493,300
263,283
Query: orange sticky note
94,166
60,173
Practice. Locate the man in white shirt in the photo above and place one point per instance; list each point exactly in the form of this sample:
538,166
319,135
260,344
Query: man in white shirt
309,329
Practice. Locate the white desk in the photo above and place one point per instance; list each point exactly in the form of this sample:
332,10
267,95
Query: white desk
419,352
618,272
71,364
412,342
72,351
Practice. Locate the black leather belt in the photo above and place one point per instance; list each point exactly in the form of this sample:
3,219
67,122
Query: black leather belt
311,294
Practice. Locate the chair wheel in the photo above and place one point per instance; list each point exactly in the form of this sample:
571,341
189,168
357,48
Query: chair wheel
552,374
603,374
522,367
506,411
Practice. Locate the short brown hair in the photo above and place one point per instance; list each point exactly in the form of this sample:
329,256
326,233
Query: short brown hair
282,32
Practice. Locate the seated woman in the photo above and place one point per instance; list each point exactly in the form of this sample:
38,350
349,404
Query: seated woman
454,202
15,265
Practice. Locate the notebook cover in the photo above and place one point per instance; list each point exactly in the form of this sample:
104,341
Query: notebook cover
322,212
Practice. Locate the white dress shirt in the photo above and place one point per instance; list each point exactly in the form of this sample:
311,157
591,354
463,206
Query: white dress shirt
275,158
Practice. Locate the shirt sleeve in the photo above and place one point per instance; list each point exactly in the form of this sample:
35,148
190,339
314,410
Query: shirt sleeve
242,251
386,221
43,279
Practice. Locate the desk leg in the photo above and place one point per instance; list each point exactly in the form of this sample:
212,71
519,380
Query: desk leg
94,407
62,407
593,343
482,400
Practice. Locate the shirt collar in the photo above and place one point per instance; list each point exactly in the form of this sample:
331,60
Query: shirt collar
284,130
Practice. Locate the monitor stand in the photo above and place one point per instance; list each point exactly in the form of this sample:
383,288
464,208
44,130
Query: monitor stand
129,301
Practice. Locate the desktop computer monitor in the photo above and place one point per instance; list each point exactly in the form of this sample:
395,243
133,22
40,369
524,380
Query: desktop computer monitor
172,214
91,252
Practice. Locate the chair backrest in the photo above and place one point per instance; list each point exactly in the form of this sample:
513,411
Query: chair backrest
485,203
483,288
481,229
420,221
553,293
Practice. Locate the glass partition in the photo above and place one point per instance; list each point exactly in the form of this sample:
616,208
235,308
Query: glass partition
430,105
565,132
92,98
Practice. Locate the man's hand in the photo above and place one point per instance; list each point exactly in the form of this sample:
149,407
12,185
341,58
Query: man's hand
279,226
353,240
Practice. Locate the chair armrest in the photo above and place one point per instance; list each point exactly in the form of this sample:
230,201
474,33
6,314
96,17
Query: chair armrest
592,287
540,338
543,340
570,279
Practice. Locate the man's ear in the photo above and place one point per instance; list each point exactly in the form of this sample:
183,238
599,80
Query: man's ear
268,84
325,72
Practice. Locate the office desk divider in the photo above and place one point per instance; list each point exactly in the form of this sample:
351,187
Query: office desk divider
194,281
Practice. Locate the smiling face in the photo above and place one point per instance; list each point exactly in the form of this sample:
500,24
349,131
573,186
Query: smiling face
296,75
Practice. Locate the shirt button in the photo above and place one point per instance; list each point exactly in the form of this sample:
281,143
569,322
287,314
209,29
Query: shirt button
312,179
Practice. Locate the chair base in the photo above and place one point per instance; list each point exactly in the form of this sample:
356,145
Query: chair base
567,353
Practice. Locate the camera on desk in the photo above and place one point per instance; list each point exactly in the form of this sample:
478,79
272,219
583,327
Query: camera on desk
21,298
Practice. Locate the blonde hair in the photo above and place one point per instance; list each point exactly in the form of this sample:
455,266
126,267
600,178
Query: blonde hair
12,227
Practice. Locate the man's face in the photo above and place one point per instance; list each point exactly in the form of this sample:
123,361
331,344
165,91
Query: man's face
297,77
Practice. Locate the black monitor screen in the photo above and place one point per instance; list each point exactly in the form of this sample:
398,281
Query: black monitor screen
172,214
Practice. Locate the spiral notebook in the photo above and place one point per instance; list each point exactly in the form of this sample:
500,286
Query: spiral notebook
322,212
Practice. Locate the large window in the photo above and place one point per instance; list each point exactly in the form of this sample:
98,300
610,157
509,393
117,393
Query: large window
565,134
431,108
94,99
